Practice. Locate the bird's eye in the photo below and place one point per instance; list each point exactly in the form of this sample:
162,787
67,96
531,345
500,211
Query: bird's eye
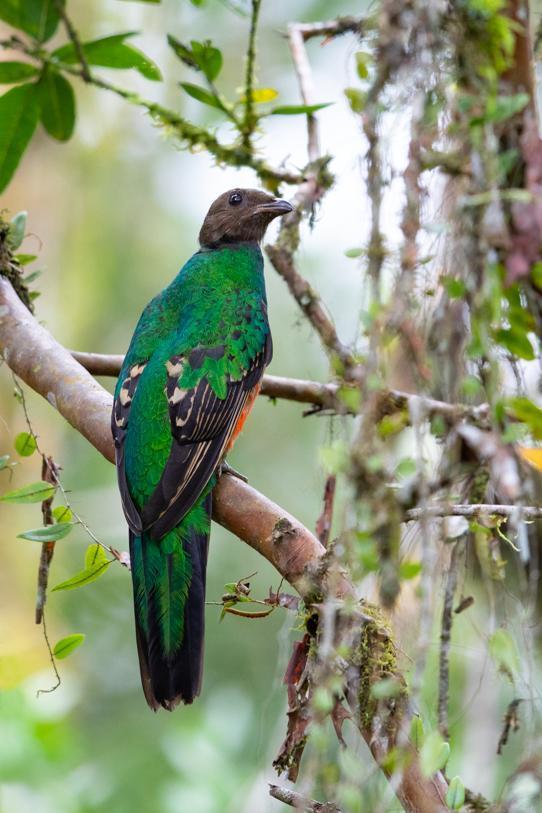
235,198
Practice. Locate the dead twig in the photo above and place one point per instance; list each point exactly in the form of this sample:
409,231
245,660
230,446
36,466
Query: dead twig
445,641
301,803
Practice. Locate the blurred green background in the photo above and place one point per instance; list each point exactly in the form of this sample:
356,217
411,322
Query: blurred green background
113,214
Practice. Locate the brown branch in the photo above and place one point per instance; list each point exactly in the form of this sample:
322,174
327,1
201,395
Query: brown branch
49,471
301,803
445,642
39,360
324,396
323,526
332,28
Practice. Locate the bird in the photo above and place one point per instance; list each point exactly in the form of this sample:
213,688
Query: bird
187,384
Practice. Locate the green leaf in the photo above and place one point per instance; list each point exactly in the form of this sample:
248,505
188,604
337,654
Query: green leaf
16,72
295,109
47,533
4,461
17,226
434,754
183,52
66,645
504,652
357,99
208,58
363,60
96,563
516,342
19,113
388,687
409,570
36,492
95,556
25,444
416,732
111,52
536,274
504,107
455,797
352,253
33,275
201,94
25,259
524,410
57,105
62,513
39,18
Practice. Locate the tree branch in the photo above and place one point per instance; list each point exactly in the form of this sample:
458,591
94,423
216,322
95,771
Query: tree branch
324,396
301,803
250,119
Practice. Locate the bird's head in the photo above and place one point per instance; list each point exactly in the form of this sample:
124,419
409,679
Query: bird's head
240,215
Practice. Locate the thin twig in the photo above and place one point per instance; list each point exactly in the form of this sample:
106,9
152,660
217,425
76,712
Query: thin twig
332,28
250,119
52,659
528,512
323,526
49,473
304,77
74,37
445,641
301,803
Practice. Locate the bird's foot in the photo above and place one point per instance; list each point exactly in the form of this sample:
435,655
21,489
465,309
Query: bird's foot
225,468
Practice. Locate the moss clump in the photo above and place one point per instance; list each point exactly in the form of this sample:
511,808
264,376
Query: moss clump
10,268
376,659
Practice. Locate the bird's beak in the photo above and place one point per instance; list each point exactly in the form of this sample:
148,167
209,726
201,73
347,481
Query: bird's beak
274,207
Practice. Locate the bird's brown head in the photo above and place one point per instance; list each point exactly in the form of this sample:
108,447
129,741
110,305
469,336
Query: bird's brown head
239,216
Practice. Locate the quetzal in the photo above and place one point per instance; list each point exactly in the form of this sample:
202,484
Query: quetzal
187,384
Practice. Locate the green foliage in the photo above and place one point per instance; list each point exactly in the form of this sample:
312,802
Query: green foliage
36,492
524,410
19,114
66,645
201,95
434,753
111,52
25,444
297,109
357,99
57,101
416,732
201,56
39,18
96,563
47,533
62,513
504,652
11,72
17,226
455,796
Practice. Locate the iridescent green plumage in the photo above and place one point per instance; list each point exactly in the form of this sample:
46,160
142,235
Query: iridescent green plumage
188,380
